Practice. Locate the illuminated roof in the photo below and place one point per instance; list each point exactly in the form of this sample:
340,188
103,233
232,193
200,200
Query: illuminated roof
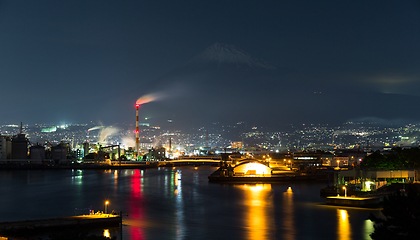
252,168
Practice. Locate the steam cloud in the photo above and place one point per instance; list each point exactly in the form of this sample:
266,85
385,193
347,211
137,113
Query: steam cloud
150,98
128,141
95,128
107,132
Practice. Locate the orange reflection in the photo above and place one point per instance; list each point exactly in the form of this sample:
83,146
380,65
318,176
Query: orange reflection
289,221
259,214
106,233
343,230
116,181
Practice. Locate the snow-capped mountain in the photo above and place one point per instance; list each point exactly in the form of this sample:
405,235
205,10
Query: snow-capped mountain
225,83
221,53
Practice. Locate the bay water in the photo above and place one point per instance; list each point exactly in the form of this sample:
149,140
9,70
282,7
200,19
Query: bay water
180,203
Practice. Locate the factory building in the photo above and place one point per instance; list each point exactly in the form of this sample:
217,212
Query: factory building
5,147
37,152
59,152
85,149
19,147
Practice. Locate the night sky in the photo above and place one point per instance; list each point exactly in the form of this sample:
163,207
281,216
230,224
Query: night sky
80,61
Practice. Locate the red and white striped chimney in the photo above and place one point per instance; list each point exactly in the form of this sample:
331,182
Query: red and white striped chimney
137,131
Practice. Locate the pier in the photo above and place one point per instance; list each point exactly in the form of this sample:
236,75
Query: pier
101,220
265,179
355,201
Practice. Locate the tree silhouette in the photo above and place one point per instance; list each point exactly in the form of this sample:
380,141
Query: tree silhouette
397,158
402,217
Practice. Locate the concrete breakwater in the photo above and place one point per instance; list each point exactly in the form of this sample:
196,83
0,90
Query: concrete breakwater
82,220
355,201
216,178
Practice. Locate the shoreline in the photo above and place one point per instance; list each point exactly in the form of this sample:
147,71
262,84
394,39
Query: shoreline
140,165
83,167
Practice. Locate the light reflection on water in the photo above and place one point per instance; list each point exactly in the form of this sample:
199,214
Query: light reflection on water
368,228
289,222
159,204
179,214
135,206
343,229
106,233
259,210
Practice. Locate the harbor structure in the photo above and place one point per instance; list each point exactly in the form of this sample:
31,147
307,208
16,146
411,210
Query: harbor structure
19,147
5,147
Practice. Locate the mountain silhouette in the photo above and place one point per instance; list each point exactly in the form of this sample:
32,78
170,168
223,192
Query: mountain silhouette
226,84
226,55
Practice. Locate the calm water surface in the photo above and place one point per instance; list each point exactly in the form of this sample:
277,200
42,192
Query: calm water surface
179,203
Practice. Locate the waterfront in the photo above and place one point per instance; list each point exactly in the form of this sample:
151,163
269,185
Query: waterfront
180,203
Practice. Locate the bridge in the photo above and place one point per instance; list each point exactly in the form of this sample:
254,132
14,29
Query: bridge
210,161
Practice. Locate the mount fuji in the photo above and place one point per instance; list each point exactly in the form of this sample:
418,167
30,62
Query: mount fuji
226,84
228,54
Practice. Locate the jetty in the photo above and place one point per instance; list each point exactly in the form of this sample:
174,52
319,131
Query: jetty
102,220
252,171
216,178
355,201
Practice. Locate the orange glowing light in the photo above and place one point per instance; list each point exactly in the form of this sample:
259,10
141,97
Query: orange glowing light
253,168
343,230
106,233
259,215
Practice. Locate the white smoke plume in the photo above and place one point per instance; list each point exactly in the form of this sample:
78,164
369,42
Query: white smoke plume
150,98
108,131
128,141
95,128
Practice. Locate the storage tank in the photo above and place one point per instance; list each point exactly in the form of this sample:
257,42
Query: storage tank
37,152
19,147
59,152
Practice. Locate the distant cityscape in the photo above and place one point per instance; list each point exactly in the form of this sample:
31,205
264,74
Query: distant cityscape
82,139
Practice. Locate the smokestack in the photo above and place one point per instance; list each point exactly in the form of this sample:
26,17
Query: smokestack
137,131
207,139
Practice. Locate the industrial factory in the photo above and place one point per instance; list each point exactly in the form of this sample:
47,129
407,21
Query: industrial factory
91,146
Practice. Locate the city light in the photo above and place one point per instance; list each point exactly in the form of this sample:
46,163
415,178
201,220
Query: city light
106,207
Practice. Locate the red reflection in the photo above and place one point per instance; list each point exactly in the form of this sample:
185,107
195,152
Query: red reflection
135,206
136,234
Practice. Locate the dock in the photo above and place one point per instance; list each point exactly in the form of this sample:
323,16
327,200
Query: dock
355,201
289,176
107,220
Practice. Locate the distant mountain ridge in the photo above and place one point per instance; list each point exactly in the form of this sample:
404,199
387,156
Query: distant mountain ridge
221,53
226,84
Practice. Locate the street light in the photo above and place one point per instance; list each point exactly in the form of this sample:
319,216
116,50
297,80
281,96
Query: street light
106,205
345,191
